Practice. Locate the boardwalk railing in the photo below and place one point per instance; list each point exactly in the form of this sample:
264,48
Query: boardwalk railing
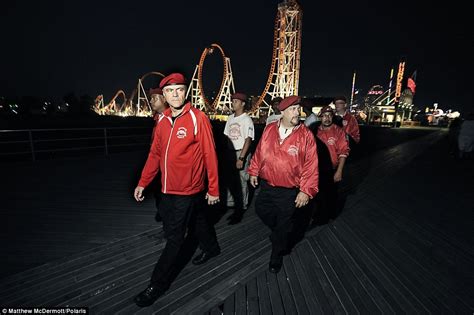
34,144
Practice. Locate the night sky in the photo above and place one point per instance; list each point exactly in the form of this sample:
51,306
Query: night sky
90,47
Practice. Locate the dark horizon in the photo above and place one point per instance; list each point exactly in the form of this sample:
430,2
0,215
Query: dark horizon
90,48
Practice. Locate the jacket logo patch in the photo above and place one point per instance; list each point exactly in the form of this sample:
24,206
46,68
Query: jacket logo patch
293,150
181,133
344,123
332,141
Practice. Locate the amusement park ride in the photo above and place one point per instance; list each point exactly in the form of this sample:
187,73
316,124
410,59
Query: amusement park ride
282,81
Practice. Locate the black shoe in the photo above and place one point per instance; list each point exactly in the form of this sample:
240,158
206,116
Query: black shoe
234,219
275,264
148,296
158,218
204,256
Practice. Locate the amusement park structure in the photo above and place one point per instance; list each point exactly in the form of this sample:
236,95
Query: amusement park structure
283,79
129,107
222,103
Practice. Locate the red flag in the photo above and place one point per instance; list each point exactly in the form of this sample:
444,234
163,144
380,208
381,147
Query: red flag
411,85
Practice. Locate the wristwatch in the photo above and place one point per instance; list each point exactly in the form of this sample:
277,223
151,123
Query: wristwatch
241,158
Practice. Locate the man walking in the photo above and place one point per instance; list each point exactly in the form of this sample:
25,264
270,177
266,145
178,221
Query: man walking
287,164
239,130
183,149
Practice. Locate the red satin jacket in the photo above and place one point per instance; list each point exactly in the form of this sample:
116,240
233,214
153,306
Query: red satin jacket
184,151
336,141
293,163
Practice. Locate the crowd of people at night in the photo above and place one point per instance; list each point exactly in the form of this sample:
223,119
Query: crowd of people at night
294,170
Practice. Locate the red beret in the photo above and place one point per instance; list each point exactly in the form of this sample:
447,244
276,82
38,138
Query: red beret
289,101
173,79
326,109
239,96
156,91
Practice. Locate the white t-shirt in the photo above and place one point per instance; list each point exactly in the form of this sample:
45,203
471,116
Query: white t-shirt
311,119
237,129
272,118
284,132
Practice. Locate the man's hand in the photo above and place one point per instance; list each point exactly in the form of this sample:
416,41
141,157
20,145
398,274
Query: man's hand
301,200
337,177
138,194
239,164
212,200
253,181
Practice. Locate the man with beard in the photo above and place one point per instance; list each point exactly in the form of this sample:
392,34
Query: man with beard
336,142
287,164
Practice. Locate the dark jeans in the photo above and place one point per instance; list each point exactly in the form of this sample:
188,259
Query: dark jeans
276,208
185,223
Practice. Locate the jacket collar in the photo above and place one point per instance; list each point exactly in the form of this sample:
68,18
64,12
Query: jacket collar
187,107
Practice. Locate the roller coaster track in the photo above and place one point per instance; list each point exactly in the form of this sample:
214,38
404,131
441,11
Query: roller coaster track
127,108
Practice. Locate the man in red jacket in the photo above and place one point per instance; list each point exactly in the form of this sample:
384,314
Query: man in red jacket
349,122
158,106
183,149
336,142
287,164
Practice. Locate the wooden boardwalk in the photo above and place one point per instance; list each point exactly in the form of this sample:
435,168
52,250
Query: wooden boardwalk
394,249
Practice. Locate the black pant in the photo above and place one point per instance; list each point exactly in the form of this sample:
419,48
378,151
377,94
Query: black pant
232,180
156,186
276,208
185,222
326,199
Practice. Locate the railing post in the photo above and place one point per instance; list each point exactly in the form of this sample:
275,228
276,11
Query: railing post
32,147
105,141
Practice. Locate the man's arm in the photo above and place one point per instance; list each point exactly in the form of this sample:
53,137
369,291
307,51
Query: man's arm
151,167
340,167
310,175
342,149
208,147
241,160
353,129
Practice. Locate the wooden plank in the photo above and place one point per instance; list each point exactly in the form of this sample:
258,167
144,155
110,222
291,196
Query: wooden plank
308,289
240,300
355,265
185,285
274,293
295,287
215,311
323,291
285,292
264,302
201,277
123,259
229,305
216,290
359,295
411,292
333,279
395,292
252,297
